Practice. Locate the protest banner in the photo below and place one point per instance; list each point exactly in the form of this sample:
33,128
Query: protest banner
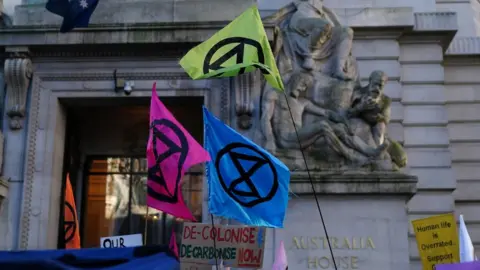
121,241
237,246
437,240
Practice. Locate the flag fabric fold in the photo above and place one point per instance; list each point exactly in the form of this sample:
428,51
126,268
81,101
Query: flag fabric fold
245,182
241,46
171,151
466,247
70,218
75,13
280,262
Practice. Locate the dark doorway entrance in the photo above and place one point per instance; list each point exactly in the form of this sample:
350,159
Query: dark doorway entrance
105,157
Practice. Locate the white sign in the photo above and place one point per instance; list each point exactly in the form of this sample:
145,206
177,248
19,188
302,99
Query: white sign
131,240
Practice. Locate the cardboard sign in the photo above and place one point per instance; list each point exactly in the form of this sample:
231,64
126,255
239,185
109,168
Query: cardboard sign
238,246
437,240
131,240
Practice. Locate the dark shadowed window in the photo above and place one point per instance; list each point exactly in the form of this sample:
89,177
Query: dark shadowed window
115,201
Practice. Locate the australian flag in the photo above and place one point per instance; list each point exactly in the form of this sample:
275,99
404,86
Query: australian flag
75,13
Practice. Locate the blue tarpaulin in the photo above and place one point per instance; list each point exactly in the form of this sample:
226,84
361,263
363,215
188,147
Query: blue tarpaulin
138,258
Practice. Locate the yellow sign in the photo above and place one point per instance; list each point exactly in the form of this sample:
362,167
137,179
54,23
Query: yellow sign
437,240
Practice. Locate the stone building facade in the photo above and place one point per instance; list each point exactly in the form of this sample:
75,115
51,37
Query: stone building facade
429,49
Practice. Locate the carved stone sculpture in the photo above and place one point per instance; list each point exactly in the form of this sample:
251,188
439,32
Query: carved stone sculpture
244,108
337,122
310,37
18,72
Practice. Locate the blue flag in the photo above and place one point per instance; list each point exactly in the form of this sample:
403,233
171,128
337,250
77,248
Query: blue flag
75,13
245,182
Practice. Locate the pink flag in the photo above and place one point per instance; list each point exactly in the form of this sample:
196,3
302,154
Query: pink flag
280,258
173,244
171,151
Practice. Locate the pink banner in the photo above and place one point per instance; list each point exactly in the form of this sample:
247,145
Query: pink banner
280,262
171,151
173,244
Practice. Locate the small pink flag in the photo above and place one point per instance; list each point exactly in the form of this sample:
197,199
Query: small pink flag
173,244
280,258
171,151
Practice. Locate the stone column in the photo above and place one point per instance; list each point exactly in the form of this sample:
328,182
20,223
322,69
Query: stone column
18,72
3,181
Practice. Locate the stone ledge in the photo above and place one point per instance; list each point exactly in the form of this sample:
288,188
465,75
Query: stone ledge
464,46
354,183
367,23
436,21
145,11
434,27
146,33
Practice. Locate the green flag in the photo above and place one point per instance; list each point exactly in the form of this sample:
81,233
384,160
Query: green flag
239,47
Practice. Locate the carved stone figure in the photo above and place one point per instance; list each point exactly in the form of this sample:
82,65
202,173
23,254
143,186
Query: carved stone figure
279,130
325,111
311,37
372,105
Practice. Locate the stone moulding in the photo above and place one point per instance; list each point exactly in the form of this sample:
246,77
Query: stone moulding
18,72
439,27
464,46
394,21
38,174
244,108
138,33
354,183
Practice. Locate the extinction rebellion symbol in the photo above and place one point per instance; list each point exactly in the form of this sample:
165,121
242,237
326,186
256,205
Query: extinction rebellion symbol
238,51
239,154
70,226
157,128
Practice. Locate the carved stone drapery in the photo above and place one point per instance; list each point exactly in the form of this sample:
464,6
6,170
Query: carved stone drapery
18,72
244,107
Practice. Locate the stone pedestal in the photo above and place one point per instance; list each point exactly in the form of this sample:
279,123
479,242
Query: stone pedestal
365,216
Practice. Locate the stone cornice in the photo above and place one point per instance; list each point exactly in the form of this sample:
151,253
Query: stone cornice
437,27
463,50
354,183
368,23
436,21
137,33
464,46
